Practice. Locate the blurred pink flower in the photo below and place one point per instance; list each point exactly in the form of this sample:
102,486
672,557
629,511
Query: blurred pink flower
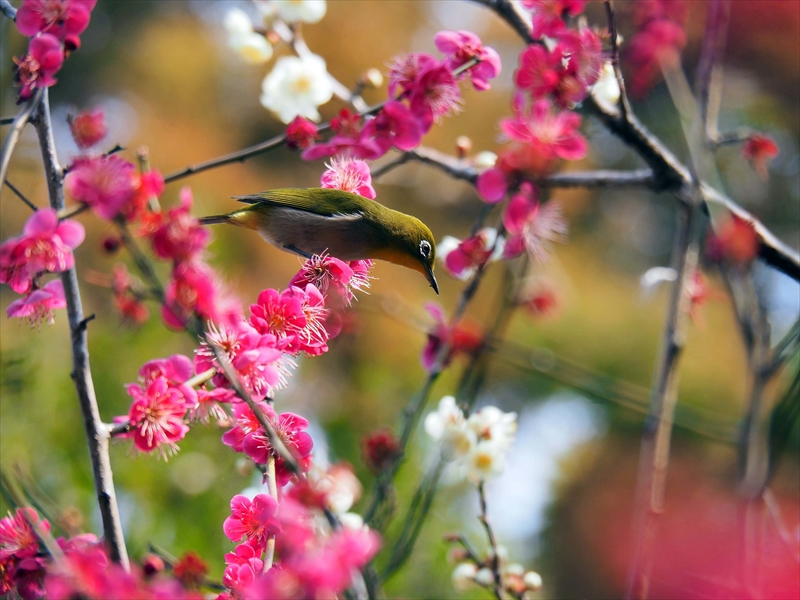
461,337
300,133
17,537
492,185
759,150
129,304
549,131
393,127
548,15
88,128
252,520
433,94
291,430
180,237
533,224
461,47
65,19
347,140
45,245
35,70
156,416
462,258
406,68
39,305
538,70
104,183
192,289
656,46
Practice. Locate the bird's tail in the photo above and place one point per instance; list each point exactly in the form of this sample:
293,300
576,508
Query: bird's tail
215,219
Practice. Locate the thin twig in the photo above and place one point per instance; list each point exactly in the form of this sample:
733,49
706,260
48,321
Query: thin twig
654,457
484,519
13,135
624,103
96,432
21,196
708,84
269,552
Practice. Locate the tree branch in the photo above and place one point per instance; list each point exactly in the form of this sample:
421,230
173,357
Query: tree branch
13,135
20,195
8,10
96,433
484,519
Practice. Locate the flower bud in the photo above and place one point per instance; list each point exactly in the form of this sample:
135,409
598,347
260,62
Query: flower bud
533,581
152,565
111,244
514,569
463,576
456,555
484,577
485,160
463,146
372,78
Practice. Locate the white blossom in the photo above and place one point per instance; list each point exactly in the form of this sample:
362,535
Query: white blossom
485,461
484,577
654,277
464,576
251,46
297,86
485,160
352,521
449,427
492,424
292,11
532,581
606,91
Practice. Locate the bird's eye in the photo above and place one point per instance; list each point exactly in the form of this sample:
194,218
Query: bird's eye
425,248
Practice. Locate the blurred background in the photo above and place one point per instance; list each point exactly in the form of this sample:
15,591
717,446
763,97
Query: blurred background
167,80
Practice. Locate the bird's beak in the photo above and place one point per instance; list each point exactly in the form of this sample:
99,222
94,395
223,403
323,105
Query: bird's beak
431,279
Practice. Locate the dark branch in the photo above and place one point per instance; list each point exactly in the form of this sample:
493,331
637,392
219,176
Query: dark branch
20,195
8,10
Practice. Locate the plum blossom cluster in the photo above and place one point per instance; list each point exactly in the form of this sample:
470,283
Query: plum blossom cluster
477,444
423,89
472,571
45,246
313,559
54,27
658,42
85,570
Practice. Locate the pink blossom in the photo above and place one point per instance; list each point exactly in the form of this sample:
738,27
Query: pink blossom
192,289
246,422
126,301
349,175
348,140
17,537
394,126
175,370
548,15
735,240
657,44
208,404
461,47
104,183
290,429
65,19
535,225
180,236
463,258
538,70
300,133
45,245
35,70
540,136
86,572
462,338
256,358
293,315
39,305
492,185
583,55
326,272
88,128
156,416
406,69
434,94
759,150
252,520
146,186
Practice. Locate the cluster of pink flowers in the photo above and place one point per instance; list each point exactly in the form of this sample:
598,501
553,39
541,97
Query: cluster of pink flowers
84,571
660,38
424,89
461,338
45,246
313,564
55,27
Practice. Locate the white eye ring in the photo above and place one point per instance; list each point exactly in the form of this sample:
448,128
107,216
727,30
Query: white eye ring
425,248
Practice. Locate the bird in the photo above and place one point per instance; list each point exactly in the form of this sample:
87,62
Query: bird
309,221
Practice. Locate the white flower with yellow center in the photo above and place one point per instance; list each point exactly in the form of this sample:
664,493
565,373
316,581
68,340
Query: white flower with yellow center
251,46
307,11
486,460
449,427
492,424
297,86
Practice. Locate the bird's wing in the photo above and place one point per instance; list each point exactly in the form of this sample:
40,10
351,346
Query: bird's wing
319,201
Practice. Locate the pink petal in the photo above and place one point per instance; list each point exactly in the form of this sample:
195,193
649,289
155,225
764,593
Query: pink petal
43,220
71,233
492,185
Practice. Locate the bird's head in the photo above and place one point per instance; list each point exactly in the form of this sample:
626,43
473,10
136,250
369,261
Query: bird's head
411,244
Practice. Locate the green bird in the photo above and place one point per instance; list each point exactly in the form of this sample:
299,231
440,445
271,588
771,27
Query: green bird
348,226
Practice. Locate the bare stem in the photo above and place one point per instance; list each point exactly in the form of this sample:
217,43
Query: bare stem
624,103
484,519
20,195
654,457
96,432
13,135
